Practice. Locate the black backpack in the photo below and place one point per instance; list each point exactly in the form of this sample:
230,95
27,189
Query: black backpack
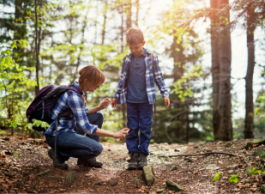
44,102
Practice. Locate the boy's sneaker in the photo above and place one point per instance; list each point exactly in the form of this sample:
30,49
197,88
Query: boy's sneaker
92,162
134,161
142,161
56,162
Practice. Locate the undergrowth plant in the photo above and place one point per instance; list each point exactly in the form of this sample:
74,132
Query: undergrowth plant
14,85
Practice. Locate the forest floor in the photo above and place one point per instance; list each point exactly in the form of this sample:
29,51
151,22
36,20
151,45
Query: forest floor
22,158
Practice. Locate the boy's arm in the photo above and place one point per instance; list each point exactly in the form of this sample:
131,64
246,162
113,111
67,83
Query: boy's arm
158,77
117,93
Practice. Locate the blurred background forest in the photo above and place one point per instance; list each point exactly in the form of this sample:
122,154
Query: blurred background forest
47,41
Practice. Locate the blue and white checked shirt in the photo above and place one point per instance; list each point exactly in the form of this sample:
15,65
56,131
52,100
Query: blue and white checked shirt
67,124
151,79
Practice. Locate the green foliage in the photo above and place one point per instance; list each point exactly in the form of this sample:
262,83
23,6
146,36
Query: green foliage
37,123
234,178
217,176
256,171
184,91
257,111
13,83
15,154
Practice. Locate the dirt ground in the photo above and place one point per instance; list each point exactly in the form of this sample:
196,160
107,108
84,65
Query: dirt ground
22,158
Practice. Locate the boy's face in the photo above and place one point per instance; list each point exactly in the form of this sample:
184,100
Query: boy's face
137,48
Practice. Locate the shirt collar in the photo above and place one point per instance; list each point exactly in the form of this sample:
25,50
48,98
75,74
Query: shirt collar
75,84
143,53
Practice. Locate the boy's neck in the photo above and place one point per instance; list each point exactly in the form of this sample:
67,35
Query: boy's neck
139,53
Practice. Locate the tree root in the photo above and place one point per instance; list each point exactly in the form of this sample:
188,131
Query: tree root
200,154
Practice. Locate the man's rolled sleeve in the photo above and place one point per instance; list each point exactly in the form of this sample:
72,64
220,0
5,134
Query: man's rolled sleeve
79,113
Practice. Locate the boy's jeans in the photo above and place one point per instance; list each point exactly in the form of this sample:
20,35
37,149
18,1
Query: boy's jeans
76,144
139,116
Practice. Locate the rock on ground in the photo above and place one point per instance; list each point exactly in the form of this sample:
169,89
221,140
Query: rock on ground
149,175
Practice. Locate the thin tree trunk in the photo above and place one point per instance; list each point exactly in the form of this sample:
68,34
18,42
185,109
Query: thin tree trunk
178,72
137,12
81,48
224,131
248,132
104,23
215,66
128,10
36,48
123,106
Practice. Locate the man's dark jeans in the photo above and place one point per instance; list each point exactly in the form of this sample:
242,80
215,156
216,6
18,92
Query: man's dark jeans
76,144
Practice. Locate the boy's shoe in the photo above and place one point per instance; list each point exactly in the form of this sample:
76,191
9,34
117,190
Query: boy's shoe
134,161
92,162
56,162
142,161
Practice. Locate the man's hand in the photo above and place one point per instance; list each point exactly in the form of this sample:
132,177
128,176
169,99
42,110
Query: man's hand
114,103
121,134
104,103
167,101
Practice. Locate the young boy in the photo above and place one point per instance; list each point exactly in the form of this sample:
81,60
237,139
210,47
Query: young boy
137,87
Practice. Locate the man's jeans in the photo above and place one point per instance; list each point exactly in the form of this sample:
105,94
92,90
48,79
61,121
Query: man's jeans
139,117
76,144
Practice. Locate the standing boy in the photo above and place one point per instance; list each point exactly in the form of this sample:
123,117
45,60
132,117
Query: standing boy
140,72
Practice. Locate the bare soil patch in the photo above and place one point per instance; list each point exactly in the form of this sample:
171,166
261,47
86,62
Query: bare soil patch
18,174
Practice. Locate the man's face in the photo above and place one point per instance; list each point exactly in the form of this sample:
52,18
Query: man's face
136,49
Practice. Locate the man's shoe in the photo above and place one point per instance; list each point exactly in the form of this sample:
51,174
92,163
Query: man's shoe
134,161
142,161
92,162
56,162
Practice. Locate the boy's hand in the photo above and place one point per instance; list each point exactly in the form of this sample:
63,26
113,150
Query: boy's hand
114,103
167,101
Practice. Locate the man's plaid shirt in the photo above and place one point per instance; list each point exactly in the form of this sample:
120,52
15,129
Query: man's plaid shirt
72,100
152,76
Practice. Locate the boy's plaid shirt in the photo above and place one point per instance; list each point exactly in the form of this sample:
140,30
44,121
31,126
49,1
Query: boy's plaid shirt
72,100
150,78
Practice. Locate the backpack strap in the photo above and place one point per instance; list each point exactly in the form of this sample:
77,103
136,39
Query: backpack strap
125,58
68,112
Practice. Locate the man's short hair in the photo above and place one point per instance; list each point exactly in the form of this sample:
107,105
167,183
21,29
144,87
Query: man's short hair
134,36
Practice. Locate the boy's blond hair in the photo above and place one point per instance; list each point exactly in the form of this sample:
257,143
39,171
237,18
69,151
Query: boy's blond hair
134,36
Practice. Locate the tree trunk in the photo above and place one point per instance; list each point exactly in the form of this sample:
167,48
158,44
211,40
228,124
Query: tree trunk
177,52
221,71
128,10
37,88
215,66
104,23
123,106
137,12
248,132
